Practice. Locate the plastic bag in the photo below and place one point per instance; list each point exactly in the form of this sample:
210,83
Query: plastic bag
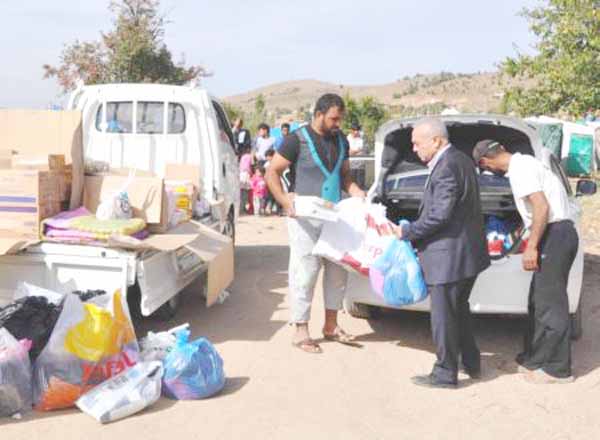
116,206
342,241
396,275
32,316
124,394
156,346
193,370
91,342
358,238
15,375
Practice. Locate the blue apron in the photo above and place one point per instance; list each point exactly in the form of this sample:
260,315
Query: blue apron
332,187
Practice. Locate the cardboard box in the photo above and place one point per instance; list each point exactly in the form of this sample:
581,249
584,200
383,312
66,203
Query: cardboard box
26,198
46,132
146,196
315,208
185,172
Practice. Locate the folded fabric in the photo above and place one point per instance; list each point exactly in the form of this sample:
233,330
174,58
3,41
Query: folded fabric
103,229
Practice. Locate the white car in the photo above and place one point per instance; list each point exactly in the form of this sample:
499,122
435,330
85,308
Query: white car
400,177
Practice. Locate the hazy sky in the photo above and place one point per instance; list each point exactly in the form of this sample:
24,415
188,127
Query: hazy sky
248,44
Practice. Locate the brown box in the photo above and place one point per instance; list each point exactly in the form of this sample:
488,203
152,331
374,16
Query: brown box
146,196
26,198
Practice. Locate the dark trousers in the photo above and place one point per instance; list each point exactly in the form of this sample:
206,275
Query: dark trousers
452,329
548,337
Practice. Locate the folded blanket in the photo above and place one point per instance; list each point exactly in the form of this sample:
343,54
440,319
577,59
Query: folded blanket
103,229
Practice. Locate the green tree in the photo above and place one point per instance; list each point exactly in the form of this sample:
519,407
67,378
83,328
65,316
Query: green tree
133,51
367,112
233,112
566,68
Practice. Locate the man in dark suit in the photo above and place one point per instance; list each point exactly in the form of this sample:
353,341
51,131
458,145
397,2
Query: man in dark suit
450,237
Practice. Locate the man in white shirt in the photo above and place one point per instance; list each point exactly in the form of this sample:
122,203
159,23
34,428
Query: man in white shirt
355,140
263,143
543,204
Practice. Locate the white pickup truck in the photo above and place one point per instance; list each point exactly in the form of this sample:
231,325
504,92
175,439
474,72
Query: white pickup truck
143,126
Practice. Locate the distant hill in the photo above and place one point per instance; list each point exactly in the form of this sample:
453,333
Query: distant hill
420,94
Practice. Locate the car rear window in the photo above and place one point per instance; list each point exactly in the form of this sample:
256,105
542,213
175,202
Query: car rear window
150,117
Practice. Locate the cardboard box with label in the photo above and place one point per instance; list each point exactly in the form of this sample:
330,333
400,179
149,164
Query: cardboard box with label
26,198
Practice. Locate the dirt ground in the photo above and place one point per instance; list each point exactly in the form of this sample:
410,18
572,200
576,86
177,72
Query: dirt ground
276,391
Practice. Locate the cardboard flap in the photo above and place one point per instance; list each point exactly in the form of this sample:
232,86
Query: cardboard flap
216,250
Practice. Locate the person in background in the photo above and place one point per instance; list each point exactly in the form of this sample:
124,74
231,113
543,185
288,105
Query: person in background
543,204
590,116
241,137
263,143
285,130
245,178
355,140
259,190
317,156
450,236
357,148
272,207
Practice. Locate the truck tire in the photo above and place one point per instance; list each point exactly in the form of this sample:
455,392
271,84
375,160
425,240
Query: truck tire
168,310
229,228
361,311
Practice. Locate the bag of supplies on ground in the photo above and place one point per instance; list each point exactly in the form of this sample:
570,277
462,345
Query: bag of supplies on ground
396,275
91,342
15,375
193,370
124,394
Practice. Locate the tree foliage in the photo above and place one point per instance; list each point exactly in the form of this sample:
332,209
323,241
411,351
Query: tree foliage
133,51
368,113
566,67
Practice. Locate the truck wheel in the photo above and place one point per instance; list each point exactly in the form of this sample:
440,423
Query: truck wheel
361,311
229,228
168,310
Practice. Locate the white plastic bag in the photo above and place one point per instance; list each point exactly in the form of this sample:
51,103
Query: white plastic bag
25,289
116,206
15,375
358,238
125,394
156,346
340,239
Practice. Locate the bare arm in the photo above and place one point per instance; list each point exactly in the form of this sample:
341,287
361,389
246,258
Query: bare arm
348,184
276,169
541,210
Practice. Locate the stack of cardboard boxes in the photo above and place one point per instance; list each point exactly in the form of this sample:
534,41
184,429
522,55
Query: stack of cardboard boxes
32,188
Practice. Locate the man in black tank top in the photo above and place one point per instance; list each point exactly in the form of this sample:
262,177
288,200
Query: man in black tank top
317,156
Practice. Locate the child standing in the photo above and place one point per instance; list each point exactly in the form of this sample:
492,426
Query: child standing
259,191
245,177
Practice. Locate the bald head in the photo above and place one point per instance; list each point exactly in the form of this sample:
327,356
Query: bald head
432,127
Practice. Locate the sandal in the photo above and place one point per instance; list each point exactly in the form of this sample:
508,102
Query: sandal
342,337
308,345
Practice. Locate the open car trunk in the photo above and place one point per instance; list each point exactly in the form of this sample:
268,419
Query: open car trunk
402,176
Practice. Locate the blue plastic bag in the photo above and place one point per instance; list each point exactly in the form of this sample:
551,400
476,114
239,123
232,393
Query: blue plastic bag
193,370
396,275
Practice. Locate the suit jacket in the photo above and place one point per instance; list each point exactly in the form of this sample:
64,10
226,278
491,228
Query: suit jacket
449,232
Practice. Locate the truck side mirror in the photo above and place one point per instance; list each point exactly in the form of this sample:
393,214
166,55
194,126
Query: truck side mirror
586,188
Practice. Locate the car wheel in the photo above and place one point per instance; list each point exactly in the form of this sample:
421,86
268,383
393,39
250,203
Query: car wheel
576,324
168,310
361,311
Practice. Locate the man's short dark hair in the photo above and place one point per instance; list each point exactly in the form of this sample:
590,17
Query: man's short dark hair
285,125
263,126
327,101
270,152
487,148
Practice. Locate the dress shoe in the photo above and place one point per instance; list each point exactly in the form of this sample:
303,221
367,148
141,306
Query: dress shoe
430,381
